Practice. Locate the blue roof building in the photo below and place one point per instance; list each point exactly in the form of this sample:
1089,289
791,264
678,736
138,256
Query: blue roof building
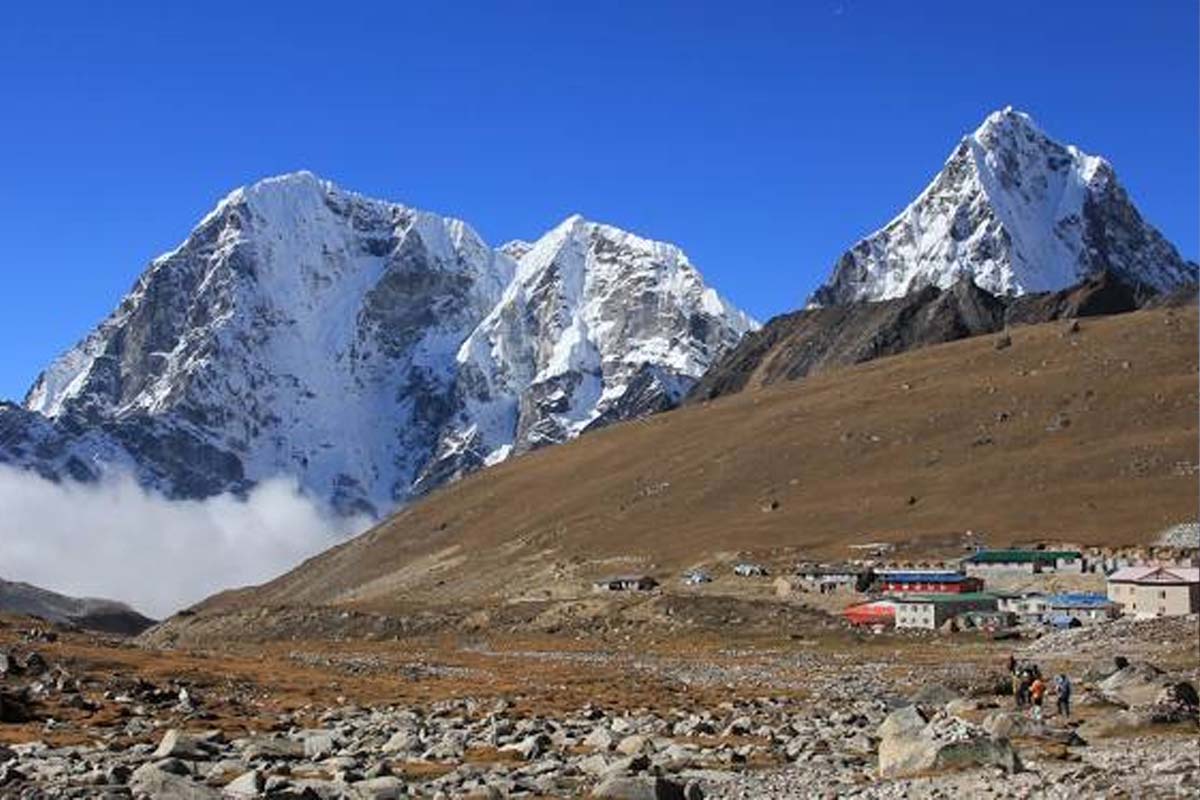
1086,607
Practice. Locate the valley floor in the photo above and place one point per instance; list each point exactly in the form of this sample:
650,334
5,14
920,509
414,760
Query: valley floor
718,712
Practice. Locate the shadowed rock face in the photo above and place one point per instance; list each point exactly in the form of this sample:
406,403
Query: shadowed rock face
794,345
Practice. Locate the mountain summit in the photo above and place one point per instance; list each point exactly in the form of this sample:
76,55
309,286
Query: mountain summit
359,346
1017,212
597,326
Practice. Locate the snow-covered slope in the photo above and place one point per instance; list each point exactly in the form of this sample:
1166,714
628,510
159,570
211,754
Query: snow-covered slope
302,330
598,325
1019,213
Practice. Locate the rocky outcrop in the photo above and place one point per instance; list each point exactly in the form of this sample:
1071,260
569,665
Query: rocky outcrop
795,345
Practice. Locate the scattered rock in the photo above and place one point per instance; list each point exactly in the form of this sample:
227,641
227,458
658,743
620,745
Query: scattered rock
192,747
35,665
247,785
13,710
643,787
152,781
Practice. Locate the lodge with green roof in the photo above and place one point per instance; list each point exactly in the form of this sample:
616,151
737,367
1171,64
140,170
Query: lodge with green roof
1021,560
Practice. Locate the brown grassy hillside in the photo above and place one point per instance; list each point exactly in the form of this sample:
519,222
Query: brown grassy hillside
1087,436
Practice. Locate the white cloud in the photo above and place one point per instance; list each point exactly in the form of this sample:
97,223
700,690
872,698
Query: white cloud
119,541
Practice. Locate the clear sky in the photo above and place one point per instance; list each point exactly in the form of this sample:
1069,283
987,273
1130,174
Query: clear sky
763,138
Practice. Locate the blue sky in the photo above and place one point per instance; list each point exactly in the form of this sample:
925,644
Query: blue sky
762,138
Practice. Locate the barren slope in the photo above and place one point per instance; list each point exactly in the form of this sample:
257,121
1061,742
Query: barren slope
1086,436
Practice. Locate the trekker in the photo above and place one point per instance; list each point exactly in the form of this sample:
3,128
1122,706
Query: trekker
1062,685
1037,690
1023,688
1016,689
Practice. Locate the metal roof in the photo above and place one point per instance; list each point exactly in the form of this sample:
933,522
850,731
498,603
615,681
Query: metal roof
924,577
1020,556
1079,600
965,597
1156,575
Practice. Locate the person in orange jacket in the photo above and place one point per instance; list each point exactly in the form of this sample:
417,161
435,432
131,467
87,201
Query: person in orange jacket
1037,690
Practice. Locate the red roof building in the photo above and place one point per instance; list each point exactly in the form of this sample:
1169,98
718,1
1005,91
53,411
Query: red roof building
873,612
928,583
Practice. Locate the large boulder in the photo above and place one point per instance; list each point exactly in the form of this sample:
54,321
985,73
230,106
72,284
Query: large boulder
912,744
1135,684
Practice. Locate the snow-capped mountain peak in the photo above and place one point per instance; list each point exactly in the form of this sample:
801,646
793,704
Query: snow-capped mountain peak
307,331
598,325
1017,212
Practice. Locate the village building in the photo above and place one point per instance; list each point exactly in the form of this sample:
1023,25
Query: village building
1156,591
695,577
625,583
985,562
931,611
926,582
1028,607
748,570
987,620
825,578
872,613
1072,609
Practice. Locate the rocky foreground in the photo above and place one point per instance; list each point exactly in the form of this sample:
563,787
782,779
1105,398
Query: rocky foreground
861,727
